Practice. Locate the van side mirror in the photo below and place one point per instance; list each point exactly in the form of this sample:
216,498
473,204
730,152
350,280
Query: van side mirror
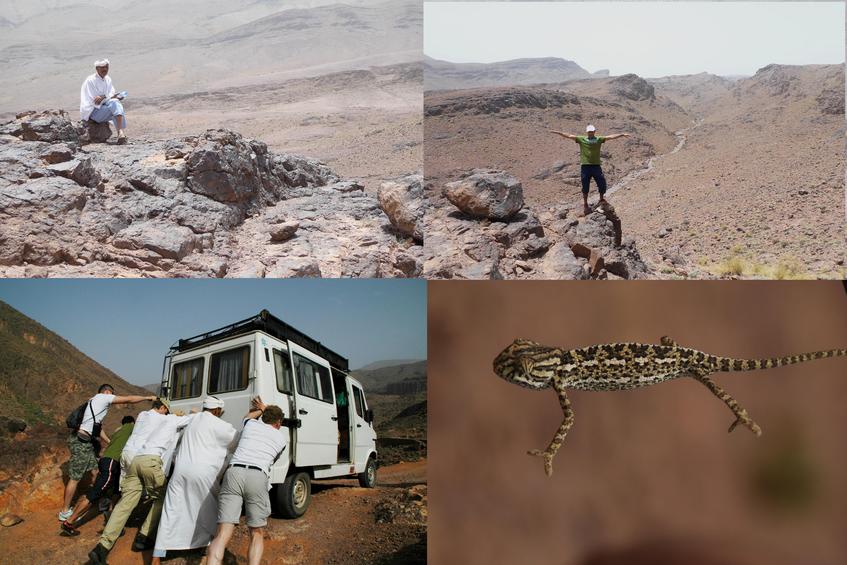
369,415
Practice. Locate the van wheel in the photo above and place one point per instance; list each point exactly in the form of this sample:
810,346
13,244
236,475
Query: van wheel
367,478
292,497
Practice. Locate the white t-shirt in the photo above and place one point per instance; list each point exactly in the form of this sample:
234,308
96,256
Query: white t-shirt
140,432
259,446
162,441
99,404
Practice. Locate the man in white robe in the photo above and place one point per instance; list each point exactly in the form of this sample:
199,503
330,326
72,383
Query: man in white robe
189,516
99,102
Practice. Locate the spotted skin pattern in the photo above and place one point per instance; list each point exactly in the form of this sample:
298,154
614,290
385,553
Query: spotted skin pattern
624,366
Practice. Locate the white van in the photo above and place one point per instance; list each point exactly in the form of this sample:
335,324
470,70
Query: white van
330,427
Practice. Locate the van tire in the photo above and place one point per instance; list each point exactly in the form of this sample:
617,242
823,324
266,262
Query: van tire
367,478
293,496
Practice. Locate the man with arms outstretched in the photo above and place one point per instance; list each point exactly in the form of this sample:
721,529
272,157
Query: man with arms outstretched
589,159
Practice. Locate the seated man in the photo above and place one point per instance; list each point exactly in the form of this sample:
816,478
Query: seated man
98,101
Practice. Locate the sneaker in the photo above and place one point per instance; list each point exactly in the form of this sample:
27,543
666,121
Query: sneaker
98,555
65,514
68,529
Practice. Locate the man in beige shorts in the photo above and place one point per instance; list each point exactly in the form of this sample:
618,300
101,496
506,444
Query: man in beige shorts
247,481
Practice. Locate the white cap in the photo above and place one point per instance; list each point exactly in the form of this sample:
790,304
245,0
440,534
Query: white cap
213,402
101,63
590,127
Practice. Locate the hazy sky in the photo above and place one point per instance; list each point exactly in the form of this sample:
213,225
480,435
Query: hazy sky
650,39
128,325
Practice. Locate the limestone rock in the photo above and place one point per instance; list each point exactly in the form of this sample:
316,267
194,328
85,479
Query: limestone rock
486,194
403,203
167,240
560,263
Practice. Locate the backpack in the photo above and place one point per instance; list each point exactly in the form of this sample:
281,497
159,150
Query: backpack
74,419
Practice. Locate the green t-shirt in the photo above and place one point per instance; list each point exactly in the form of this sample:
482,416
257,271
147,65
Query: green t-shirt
118,442
589,149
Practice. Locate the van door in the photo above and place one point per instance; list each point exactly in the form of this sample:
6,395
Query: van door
365,435
317,437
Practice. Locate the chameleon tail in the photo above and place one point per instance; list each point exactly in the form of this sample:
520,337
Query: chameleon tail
730,364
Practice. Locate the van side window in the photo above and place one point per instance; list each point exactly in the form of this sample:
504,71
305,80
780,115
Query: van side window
282,367
313,380
357,395
187,379
229,370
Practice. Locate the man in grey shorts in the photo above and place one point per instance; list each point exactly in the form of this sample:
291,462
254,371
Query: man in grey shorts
247,481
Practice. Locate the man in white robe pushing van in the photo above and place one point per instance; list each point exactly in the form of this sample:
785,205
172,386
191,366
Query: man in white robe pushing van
189,516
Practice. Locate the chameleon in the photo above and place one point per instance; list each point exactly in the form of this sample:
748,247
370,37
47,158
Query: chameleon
624,366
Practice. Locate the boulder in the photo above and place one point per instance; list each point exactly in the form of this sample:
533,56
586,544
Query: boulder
403,203
284,231
295,267
488,194
97,132
56,153
81,171
8,520
163,238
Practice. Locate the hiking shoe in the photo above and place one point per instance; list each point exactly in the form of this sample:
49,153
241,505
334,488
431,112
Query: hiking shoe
68,529
65,514
98,555
142,543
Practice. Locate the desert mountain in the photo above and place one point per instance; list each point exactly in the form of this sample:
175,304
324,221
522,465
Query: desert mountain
43,377
700,146
444,75
214,204
394,378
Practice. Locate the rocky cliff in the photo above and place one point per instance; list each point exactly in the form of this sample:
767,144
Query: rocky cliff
209,205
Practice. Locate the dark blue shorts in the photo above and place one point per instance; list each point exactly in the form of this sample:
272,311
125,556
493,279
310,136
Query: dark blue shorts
587,172
106,483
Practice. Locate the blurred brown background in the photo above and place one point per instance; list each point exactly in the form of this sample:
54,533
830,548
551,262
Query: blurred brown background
648,476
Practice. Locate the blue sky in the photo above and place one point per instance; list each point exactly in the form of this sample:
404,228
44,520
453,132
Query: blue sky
650,39
128,325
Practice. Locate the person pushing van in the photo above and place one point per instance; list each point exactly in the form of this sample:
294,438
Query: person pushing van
247,481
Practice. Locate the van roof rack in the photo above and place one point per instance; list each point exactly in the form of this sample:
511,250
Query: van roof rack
266,322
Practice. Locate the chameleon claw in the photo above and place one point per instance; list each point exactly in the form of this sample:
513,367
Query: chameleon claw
548,460
751,425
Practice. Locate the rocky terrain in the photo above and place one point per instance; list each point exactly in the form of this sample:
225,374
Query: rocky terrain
700,146
480,227
210,205
347,90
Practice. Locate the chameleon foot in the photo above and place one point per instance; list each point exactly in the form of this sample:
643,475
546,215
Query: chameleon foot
753,426
548,459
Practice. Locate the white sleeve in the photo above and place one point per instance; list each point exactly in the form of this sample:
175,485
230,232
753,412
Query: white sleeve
111,87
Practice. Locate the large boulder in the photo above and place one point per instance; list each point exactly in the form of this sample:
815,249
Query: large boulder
164,239
403,203
561,263
98,133
483,193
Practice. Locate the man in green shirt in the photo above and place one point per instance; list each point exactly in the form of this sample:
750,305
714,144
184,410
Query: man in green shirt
589,159
108,476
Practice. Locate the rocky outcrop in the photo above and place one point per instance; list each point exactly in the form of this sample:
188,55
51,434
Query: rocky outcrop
552,244
403,203
633,87
215,204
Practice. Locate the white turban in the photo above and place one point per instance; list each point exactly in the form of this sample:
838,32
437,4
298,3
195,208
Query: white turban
213,402
101,63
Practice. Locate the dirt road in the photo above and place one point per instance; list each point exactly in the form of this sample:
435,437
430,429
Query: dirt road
344,524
